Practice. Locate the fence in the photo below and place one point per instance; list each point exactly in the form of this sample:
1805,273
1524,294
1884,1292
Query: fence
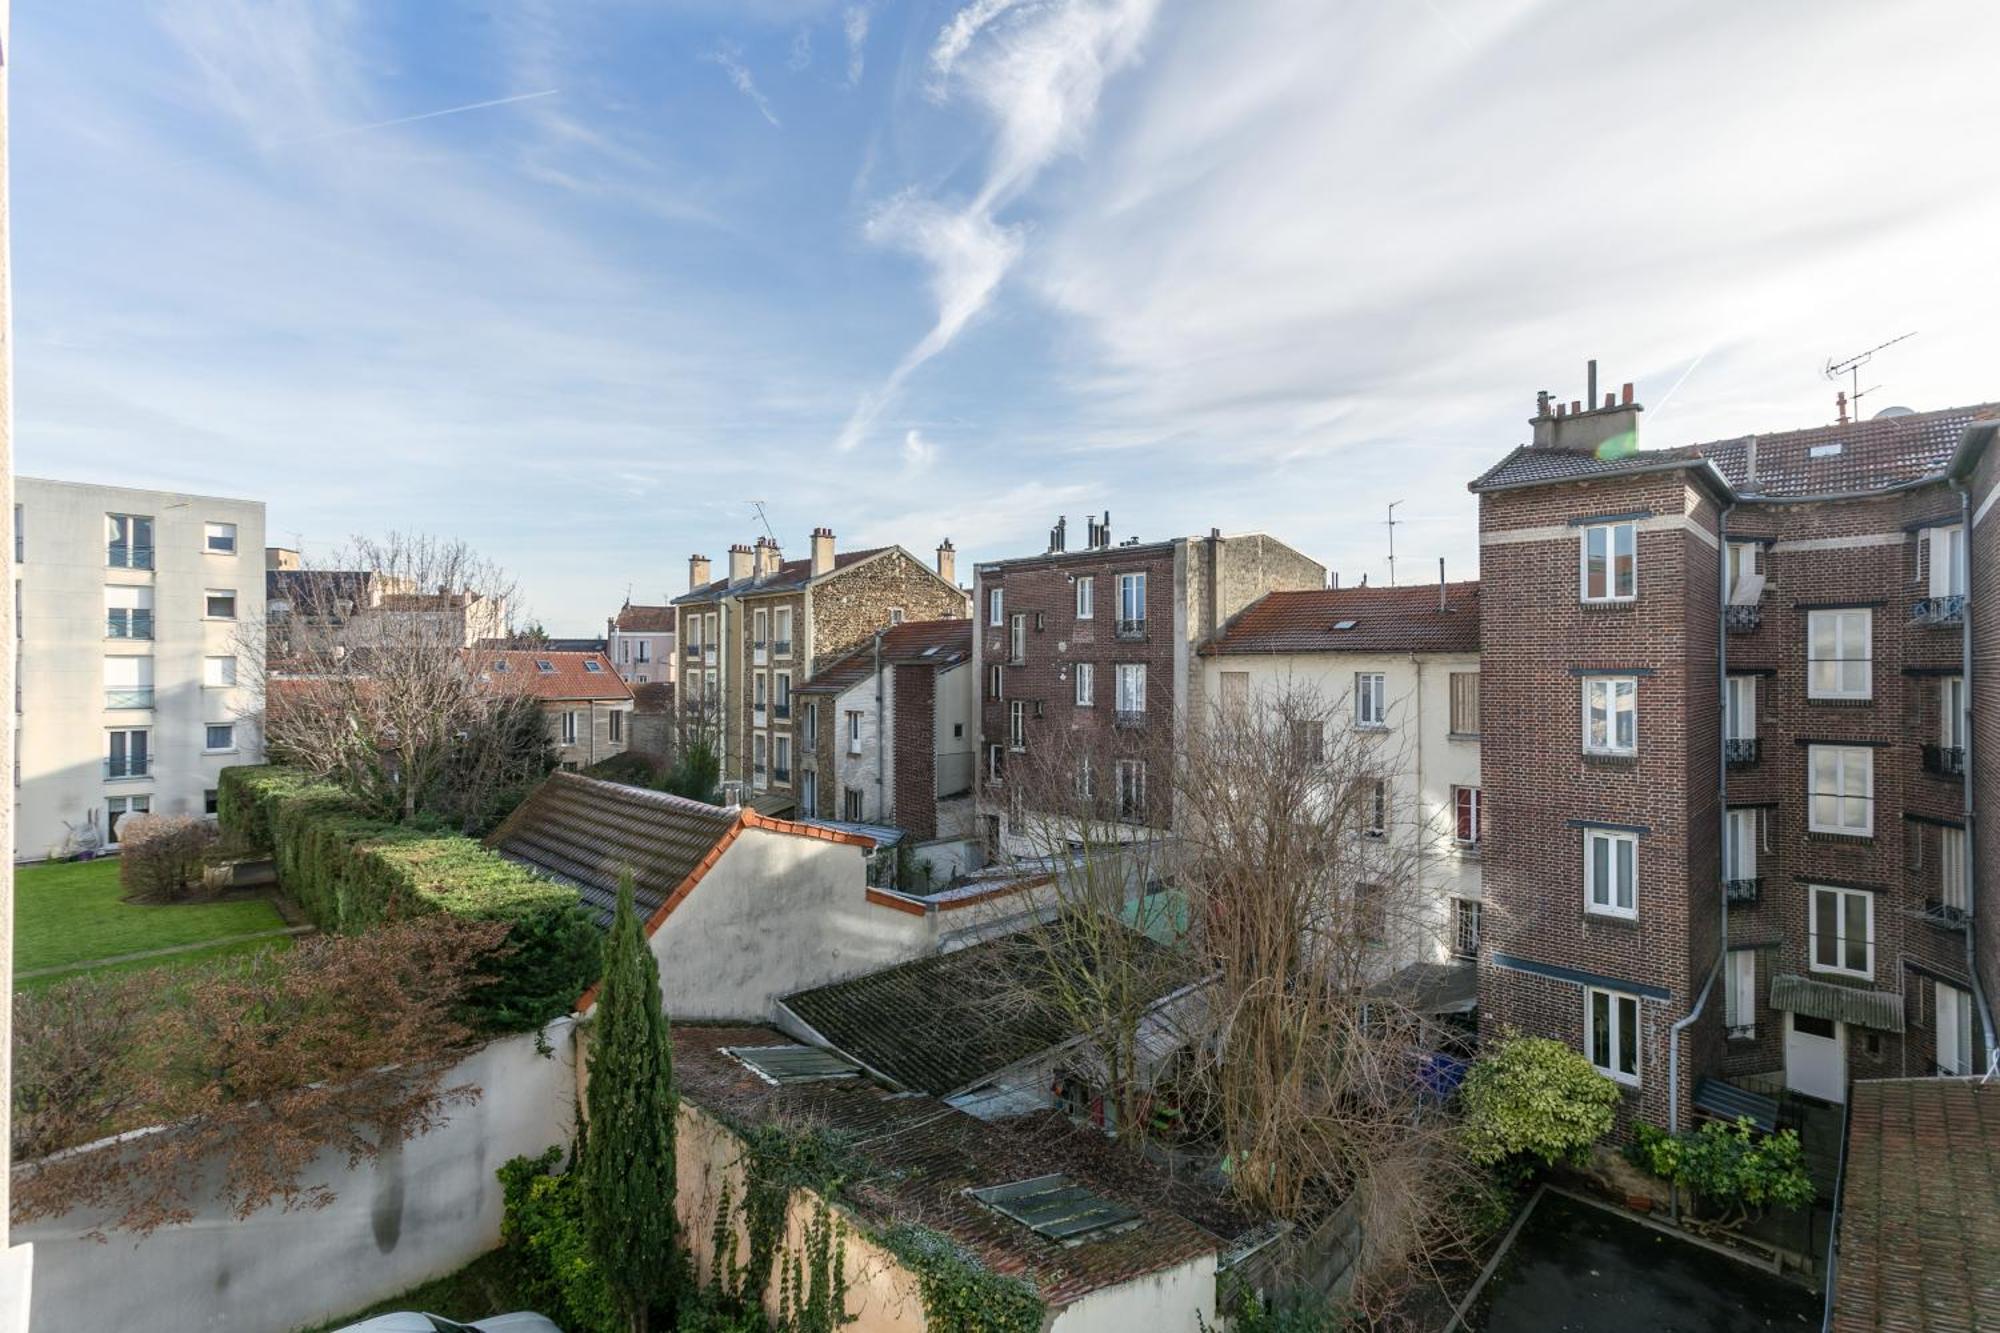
418,1212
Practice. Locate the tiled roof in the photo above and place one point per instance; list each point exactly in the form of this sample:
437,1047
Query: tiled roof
1871,455
1919,1243
944,1023
645,619
790,576
919,1157
938,643
518,671
587,832
1383,620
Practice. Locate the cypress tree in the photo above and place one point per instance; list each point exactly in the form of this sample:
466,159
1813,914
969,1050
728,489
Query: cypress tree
628,1151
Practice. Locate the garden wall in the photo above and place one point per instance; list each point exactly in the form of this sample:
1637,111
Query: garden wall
419,1212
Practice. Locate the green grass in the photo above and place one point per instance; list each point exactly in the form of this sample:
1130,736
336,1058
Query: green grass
192,958
71,914
483,1287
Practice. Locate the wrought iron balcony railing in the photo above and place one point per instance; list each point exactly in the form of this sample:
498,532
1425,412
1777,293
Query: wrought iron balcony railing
781,647
1947,761
1742,892
1946,610
1941,913
1131,631
1128,717
1738,751
1741,619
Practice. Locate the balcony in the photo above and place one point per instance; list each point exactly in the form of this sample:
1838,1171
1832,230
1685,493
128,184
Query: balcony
1128,717
1131,631
782,712
693,652
760,651
132,698
125,624
1743,892
1946,610
1941,913
781,647
1742,619
123,555
781,774
1946,761
130,766
1738,751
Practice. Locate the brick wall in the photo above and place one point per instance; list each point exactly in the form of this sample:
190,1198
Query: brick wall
1985,589
913,694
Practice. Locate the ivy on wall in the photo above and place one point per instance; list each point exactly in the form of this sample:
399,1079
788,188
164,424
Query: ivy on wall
961,1295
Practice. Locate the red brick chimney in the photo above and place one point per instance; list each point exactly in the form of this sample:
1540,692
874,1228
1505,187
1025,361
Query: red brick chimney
1584,426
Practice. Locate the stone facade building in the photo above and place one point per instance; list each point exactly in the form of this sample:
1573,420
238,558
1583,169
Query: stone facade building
749,639
1725,751
588,708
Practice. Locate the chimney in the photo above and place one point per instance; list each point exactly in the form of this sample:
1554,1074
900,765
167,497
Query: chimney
947,562
1585,426
697,571
742,563
764,559
822,551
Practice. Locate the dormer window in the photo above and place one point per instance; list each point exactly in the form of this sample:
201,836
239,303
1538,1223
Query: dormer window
1610,561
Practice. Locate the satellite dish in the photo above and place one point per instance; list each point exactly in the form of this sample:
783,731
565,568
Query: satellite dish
1888,412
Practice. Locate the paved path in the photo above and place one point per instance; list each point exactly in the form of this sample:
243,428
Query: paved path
87,964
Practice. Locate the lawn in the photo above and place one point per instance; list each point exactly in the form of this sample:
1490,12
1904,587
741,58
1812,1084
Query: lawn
482,1288
71,914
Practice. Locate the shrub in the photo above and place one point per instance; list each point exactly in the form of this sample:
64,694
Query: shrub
543,1228
350,872
163,856
1533,1099
1729,1166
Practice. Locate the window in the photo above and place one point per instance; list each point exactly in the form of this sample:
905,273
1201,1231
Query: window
1055,1208
1947,560
1235,696
128,612
1132,601
812,723
1309,741
1611,715
1370,704
1837,654
1611,873
219,538
116,808
1739,844
781,630
1371,913
782,696
995,757
1375,793
853,731
1131,789
1843,931
760,692
1017,638
781,758
1131,684
895,615
850,805
760,630
1740,999
1954,1029
219,604
1086,778
546,667
614,724
569,727
809,792
593,666
1743,561
1465,927
1466,812
624,650
1611,1034
1841,789
211,801
218,737
1465,703
500,664
993,616
218,672
1951,869
128,754
128,682
759,748
1951,712
1610,562
1086,596
1086,684
709,637
995,679
128,541
1017,724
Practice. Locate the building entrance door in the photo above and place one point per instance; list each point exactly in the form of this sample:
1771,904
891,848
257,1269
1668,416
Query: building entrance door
1816,1057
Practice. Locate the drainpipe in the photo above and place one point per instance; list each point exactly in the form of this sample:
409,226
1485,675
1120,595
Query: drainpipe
881,738
1965,780
1423,842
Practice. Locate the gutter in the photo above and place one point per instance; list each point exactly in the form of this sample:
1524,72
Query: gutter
1991,1051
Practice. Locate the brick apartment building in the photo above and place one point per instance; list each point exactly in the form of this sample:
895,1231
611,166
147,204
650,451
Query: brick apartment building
1725,751
1090,654
747,640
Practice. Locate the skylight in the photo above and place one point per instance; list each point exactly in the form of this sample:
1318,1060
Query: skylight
1825,450
593,666
499,664
793,1064
1345,624
1057,1208
543,664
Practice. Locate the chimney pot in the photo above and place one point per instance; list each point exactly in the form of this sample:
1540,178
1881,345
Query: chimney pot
1625,394
947,562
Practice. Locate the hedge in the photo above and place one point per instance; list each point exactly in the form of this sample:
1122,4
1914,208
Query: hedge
349,871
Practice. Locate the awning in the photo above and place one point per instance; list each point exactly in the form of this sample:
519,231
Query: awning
1882,1010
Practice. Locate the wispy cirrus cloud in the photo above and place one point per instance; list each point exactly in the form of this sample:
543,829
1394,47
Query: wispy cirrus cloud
854,26
728,56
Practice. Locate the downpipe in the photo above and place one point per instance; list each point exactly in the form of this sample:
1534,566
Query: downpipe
1990,1047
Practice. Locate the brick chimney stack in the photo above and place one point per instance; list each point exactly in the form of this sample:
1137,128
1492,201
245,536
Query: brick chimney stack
822,551
947,562
697,571
742,563
1582,425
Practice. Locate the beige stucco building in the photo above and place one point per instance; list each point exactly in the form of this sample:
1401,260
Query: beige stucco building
134,675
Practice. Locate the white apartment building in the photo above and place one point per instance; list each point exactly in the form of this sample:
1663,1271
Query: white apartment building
640,642
133,691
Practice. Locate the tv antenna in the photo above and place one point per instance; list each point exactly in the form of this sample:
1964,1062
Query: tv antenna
758,505
1850,402
1392,541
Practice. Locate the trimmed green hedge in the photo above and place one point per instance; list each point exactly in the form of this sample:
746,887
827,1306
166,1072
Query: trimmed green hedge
349,872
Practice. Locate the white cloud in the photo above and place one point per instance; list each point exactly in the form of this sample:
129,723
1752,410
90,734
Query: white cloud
854,23
801,55
918,452
729,57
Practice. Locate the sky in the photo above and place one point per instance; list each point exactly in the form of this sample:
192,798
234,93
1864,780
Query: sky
577,281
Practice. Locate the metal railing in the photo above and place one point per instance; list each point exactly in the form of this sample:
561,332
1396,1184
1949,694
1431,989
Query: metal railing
1945,760
122,623
1128,717
781,647
1946,610
134,698
1741,619
131,766
694,652
782,712
1941,913
781,774
1742,892
124,555
1132,631
1739,750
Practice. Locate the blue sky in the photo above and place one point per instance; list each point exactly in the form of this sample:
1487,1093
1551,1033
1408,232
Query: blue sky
941,268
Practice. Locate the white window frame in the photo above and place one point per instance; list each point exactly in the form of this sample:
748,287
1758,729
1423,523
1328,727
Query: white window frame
1017,725
211,532
1478,816
1464,910
1953,847
1129,685
207,748
218,673
1739,1000
1086,685
1131,776
1017,638
1609,533
1741,830
854,731
1612,688
1845,759
614,726
1613,840
569,731
1842,683
209,594
1951,712
1743,558
781,756
1371,700
1619,1042
1739,709
1132,597
1946,575
781,631
810,721
995,607
1954,1022
1845,899
1086,596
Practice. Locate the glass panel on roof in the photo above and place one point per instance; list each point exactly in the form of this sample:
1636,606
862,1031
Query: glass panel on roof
793,1064
1057,1208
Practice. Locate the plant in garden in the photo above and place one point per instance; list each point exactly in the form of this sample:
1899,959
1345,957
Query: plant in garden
161,857
1728,1166
543,1227
627,1158
1534,1099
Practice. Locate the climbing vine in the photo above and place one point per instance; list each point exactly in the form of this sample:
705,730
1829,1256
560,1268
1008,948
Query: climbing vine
812,1293
961,1295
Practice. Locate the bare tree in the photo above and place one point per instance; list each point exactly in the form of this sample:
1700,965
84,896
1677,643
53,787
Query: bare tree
376,669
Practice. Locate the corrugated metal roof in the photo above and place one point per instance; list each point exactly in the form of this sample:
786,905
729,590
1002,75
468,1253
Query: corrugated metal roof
1882,1010
884,835
1375,620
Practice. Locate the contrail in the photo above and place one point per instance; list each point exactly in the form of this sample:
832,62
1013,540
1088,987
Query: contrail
1661,405
408,120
